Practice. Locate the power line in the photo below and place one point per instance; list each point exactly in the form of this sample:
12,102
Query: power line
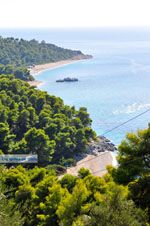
131,119
129,161
93,158
99,171
108,131
104,169
103,153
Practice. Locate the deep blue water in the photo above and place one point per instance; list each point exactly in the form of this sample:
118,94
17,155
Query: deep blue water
114,85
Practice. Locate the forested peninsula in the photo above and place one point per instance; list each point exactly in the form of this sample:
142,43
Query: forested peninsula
16,55
21,52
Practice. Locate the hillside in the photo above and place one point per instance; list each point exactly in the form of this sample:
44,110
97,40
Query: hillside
22,52
33,121
91,193
20,72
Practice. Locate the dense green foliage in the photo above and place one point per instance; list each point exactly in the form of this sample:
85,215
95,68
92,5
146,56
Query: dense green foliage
18,72
15,54
86,200
134,167
31,121
22,52
8,214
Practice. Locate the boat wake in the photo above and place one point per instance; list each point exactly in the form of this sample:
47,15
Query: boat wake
135,67
131,108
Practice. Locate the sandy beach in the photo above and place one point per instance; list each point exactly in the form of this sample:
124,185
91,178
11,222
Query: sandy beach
42,67
96,164
35,70
34,83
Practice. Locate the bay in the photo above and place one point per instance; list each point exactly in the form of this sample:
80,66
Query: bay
114,85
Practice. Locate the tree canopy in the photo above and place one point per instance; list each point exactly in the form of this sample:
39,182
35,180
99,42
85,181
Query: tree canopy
20,72
134,166
32,121
22,52
43,199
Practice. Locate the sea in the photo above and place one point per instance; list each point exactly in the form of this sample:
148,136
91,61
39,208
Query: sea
114,85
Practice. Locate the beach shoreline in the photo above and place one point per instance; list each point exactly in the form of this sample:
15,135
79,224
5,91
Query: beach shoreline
35,70
35,83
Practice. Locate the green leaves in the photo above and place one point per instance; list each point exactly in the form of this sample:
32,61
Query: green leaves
39,123
134,166
22,52
44,199
70,206
11,71
38,143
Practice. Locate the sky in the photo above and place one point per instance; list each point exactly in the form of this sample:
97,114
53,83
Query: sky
74,13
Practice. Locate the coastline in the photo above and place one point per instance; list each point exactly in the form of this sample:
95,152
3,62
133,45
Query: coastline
52,65
96,164
35,83
37,69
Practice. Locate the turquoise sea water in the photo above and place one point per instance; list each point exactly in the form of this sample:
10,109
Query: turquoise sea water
114,85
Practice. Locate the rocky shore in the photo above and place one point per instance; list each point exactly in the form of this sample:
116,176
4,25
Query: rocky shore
99,154
100,145
97,147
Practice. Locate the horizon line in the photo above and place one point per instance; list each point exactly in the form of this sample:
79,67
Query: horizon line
83,27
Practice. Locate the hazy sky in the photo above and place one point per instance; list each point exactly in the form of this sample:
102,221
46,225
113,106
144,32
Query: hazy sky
74,13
